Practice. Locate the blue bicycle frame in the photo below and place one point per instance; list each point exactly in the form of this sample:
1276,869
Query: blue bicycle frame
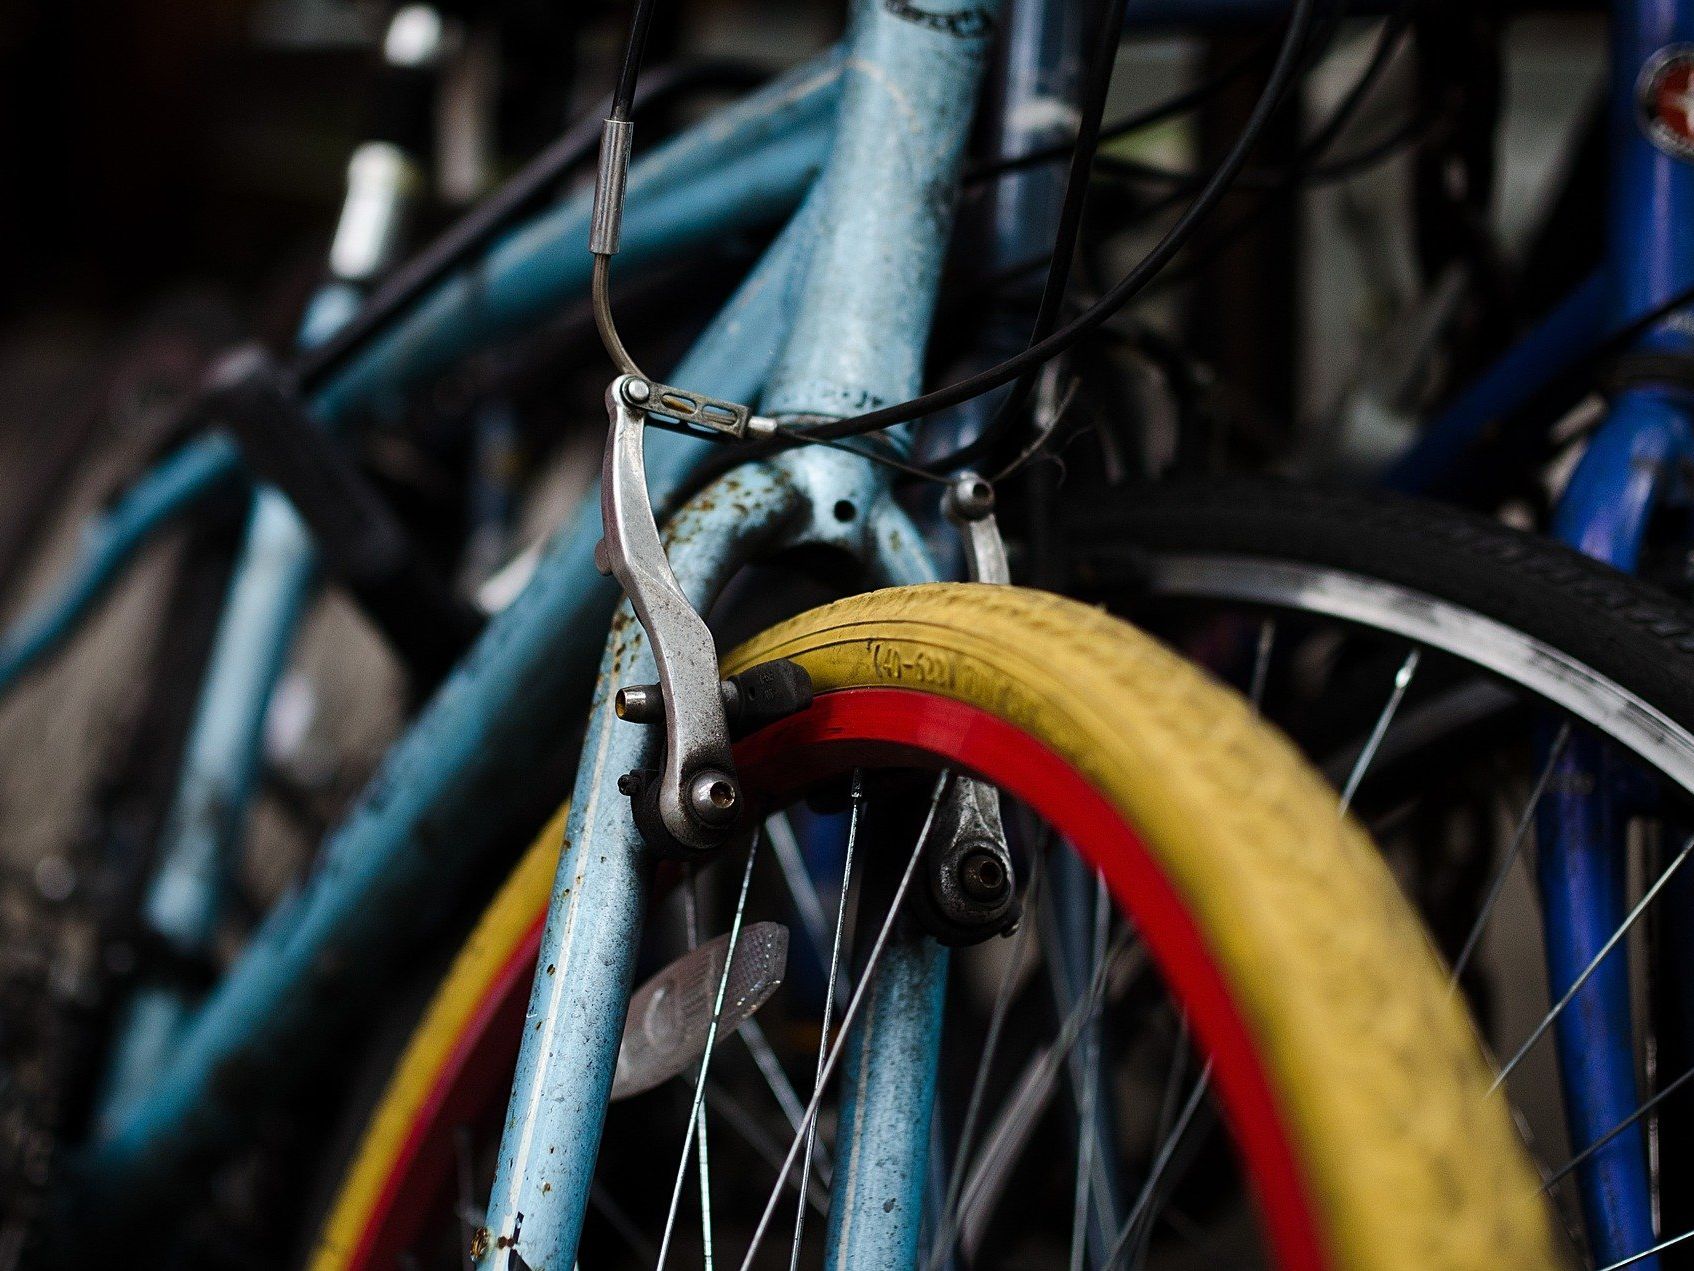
187,894
816,333
1637,462
856,341
810,331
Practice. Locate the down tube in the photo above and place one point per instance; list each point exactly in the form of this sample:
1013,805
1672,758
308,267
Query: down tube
262,613
419,824
187,894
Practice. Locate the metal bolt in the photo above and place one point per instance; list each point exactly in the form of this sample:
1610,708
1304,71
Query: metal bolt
982,875
970,498
637,391
629,785
639,704
713,798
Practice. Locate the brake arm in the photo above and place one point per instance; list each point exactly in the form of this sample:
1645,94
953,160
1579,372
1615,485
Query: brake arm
697,796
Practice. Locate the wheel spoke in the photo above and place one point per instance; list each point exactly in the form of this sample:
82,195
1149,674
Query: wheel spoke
770,1068
723,1102
694,1113
1261,663
1011,1130
853,1006
1170,1107
781,1088
810,1129
620,1221
1633,1258
1520,836
1089,1088
705,1183
691,905
1605,950
1069,987
1554,1177
780,833
1156,1171
1402,679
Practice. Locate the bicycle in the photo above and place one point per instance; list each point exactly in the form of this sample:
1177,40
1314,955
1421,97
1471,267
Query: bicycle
494,718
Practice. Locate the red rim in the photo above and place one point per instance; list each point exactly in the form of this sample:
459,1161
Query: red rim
871,727
477,1071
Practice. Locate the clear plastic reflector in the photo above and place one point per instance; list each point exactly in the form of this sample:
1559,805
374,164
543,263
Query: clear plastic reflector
671,1014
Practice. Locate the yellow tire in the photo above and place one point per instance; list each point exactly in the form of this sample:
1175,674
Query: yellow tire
1374,1078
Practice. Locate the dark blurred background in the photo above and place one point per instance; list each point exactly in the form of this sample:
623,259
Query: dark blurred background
155,146
149,145
203,142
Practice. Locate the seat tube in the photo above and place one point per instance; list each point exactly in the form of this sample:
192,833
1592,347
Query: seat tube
885,204
1633,463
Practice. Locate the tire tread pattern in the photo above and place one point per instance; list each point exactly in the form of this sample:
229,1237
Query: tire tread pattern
1627,630
1416,1165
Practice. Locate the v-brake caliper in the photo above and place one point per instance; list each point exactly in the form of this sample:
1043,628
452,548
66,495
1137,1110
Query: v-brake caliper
691,804
694,801
971,891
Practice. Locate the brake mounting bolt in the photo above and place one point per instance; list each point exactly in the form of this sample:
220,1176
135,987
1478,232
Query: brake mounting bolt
982,876
713,798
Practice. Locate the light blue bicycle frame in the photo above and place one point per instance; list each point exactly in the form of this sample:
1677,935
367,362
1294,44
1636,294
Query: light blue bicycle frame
811,331
266,601
855,342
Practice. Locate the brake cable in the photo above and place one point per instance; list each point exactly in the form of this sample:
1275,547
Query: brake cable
616,143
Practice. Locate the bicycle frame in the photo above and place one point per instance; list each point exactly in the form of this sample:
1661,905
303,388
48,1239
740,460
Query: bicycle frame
856,341
815,331
274,573
1637,461
810,332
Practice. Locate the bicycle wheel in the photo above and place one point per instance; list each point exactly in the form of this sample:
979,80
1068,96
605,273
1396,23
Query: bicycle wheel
1511,720
1347,1076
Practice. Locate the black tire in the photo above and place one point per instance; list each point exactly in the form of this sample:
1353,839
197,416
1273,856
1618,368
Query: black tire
1630,632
